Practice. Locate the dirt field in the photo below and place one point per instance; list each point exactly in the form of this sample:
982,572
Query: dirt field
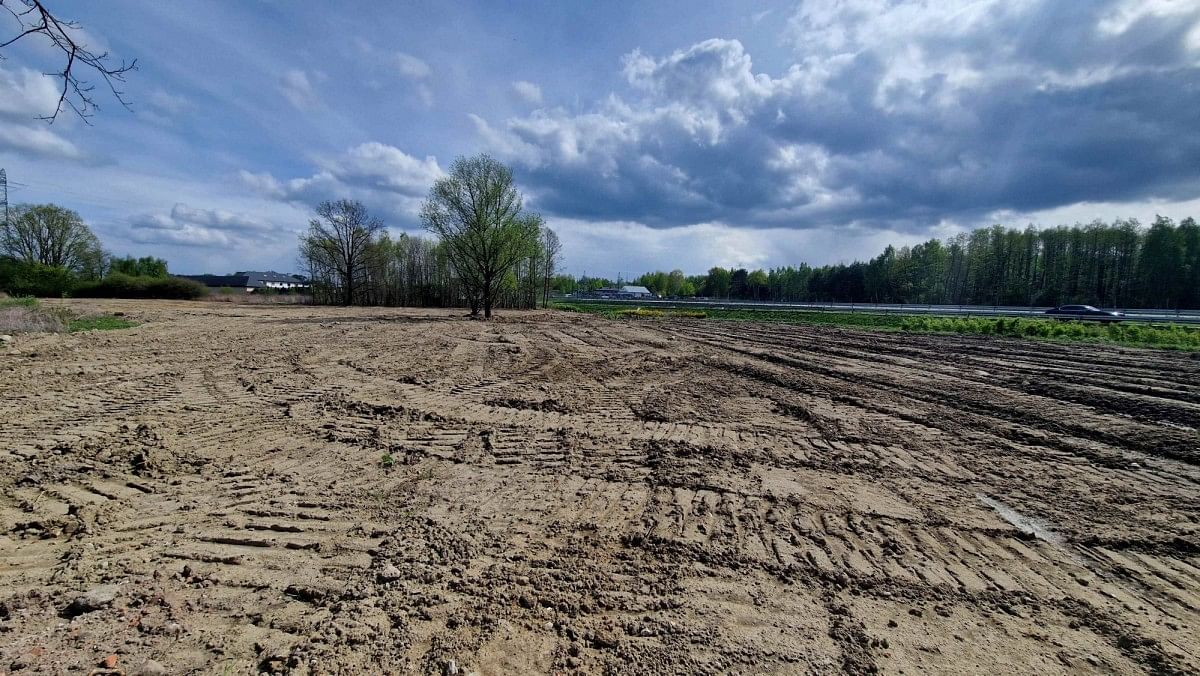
206,493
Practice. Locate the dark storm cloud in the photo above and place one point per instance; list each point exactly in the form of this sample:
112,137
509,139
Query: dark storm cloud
894,115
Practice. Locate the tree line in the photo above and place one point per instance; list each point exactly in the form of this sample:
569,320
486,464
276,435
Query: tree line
489,251
1118,264
48,250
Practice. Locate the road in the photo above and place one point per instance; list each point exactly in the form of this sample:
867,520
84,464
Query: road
1138,315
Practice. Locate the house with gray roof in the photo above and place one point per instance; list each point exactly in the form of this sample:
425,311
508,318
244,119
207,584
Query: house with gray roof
250,281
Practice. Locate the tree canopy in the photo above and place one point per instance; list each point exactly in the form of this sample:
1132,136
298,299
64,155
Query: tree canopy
52,236
476,212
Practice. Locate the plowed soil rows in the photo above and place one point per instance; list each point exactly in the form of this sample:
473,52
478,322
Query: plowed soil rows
567,493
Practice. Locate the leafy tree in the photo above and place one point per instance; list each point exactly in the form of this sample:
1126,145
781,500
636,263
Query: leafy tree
52,236
476,212
757,285
718,283
146,266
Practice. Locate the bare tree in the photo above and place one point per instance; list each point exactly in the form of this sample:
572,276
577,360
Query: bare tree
54,236
339,244
551,253
476,211
34,19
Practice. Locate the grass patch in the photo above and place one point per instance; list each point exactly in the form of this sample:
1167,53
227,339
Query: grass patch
27,315
20,301
99,323
614,311
1167,336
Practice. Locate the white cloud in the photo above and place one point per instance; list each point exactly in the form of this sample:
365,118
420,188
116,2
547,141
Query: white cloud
28,95
425,94
297,89
167,103
190,226
410,66
528,91
37,141
417,71
611,247
383,177
892,115
1128,12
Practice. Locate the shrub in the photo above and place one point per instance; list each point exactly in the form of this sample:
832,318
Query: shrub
23,301
34,279
119,285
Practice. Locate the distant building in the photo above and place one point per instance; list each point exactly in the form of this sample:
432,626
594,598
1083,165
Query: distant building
634,292
625,292
250,281
273,280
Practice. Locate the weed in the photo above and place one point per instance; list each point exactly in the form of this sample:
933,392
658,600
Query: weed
20,301
30,319
387,460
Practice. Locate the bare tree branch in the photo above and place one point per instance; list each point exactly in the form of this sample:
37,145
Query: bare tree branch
33,17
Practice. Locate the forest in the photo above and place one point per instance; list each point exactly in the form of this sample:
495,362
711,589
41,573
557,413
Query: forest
1120,264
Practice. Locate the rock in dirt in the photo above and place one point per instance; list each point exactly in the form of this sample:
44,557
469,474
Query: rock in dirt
96,599
150,668
390,573
6,339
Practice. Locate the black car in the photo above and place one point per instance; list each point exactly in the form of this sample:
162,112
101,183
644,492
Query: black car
1085,312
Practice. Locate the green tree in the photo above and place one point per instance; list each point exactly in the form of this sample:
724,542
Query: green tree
52,236
718,283
146,266
476,211
1161,266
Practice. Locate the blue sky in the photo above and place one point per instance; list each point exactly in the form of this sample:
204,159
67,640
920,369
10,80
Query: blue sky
650,135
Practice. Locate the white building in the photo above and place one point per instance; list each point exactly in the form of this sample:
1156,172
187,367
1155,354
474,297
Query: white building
634,292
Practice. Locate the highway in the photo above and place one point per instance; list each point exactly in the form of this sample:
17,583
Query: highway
1160,316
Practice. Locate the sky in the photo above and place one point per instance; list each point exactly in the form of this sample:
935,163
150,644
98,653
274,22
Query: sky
673,134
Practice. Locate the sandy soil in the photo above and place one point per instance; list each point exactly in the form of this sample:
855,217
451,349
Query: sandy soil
204,494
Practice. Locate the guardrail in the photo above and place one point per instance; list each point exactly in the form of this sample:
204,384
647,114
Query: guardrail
1161,316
